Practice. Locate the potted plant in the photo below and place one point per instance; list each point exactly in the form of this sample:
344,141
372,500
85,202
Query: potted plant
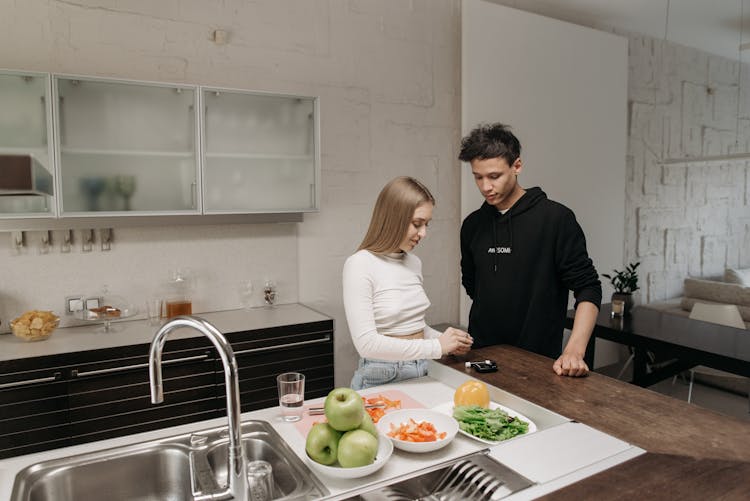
625,283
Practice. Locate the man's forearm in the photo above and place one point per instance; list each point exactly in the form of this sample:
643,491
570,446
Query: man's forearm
583,326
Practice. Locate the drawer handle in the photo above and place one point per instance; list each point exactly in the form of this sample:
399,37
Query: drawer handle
76,373
324,339
48,379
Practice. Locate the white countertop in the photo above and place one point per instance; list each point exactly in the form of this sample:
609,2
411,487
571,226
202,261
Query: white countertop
427,391
601,451
132,332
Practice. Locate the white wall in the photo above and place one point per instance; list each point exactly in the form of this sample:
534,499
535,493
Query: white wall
688,198
388,78
563,89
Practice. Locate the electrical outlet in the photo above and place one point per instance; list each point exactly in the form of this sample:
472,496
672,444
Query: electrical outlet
93,302
73,304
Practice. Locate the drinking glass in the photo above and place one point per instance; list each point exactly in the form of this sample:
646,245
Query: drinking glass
245,291
154,309
125,186
291,395
269,292
259,480
618,307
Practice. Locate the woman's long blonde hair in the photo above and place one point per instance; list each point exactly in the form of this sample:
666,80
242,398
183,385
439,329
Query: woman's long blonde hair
392,214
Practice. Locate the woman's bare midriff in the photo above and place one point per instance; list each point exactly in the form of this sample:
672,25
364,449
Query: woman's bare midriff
416,335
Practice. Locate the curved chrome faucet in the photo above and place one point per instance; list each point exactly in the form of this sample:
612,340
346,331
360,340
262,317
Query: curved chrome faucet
237,485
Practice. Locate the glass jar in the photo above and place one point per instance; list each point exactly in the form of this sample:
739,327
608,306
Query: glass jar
178,301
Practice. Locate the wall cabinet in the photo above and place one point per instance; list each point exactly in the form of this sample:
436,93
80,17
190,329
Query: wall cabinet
259,152
26,128
125,148
67,399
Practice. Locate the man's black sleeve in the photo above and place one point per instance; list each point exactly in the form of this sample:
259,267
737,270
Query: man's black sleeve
575,268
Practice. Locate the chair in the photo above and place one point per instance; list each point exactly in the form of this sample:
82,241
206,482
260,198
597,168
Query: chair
723,314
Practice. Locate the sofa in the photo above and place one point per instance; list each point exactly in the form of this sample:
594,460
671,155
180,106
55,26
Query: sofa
733,289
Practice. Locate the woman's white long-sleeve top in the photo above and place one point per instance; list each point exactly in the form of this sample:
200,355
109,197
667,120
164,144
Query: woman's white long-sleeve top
383,294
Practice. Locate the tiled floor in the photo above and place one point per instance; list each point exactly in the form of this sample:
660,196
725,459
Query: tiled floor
717,400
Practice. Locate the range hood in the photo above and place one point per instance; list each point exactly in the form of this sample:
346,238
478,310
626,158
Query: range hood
24,175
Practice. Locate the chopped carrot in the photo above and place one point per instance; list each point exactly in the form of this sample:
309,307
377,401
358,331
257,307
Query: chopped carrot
378,412
424,431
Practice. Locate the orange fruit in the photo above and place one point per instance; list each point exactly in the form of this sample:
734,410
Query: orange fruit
472,393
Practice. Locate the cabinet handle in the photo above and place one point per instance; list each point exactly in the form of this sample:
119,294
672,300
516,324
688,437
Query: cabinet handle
44,121
75,373
48,379
324,339
193,197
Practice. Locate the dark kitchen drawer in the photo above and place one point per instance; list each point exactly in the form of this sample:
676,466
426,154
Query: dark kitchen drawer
55,401
127,422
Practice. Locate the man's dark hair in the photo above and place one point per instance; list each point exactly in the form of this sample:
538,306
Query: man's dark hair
490,141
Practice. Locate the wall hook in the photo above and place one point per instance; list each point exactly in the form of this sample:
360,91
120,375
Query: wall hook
67,241
87,240
105,236
45,241
17,240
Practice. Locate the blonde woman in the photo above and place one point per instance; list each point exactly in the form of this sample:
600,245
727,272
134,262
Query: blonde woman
383,296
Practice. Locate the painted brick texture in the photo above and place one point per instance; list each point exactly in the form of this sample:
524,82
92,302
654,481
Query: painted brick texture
687,214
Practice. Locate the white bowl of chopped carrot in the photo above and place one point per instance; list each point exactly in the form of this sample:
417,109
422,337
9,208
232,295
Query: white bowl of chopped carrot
418,430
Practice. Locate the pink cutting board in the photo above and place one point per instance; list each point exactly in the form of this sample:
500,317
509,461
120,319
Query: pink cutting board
304,424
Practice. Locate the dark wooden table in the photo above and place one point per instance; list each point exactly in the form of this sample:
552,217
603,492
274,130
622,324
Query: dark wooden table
692,453
679,342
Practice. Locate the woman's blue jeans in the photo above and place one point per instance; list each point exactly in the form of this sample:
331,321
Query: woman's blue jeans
371,372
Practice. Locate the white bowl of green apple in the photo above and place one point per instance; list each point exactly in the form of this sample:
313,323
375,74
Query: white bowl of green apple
348,445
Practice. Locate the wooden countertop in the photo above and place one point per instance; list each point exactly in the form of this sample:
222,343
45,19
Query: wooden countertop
692,451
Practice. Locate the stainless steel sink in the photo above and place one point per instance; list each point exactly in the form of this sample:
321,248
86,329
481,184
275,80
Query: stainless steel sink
143,471
166,470
292,479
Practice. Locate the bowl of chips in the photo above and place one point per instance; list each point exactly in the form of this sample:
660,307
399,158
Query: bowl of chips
35,325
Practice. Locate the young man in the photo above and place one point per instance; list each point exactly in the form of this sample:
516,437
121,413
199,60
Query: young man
521,254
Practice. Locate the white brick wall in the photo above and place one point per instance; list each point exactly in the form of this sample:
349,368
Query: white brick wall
388,77
688,217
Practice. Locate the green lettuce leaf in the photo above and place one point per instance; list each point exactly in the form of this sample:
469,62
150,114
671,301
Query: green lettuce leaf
488,424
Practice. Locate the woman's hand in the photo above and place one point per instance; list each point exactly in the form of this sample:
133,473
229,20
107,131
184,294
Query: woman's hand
455,341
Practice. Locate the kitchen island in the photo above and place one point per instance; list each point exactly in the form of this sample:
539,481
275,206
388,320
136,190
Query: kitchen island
692,453
530,455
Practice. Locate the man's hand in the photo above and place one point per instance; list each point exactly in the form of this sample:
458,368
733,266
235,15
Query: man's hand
570,365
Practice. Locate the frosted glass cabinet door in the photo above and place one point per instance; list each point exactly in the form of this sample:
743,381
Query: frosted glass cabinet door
126,148
25,130
259,152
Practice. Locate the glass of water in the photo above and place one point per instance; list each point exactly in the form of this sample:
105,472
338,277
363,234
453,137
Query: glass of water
260,480
291,395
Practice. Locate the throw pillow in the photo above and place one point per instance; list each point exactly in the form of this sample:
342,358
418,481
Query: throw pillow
737,276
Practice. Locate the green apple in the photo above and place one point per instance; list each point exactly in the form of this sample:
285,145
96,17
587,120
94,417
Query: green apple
357,448
344,409
322,443
368,426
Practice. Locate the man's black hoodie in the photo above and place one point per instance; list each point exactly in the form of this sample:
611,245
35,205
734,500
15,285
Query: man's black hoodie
519,267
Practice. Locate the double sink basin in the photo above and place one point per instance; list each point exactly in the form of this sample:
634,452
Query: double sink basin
168,469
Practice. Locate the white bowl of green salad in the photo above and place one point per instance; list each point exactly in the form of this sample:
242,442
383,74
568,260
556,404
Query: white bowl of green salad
489,425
